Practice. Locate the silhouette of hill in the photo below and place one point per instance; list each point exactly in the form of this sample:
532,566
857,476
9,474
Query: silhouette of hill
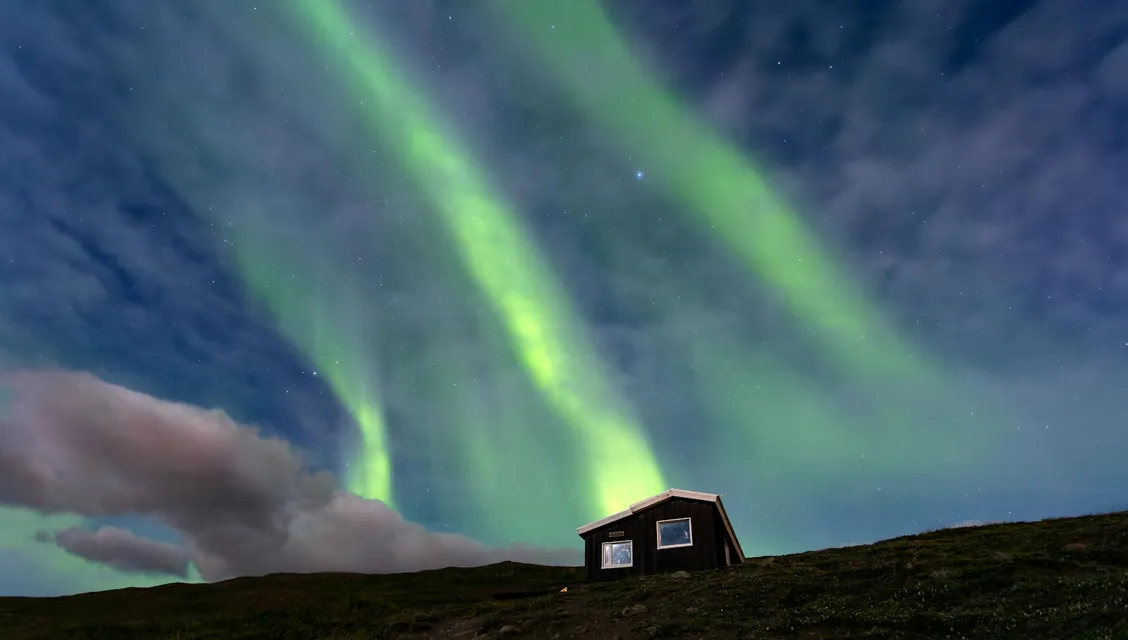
1062,578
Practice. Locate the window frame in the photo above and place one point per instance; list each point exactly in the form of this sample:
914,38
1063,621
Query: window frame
612,543
658,533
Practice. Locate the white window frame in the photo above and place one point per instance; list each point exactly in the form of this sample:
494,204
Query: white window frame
658,533
603,555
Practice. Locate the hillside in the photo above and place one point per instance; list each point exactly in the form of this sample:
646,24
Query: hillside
1057,579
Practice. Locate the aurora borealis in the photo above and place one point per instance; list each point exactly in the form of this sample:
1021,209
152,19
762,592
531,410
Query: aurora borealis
507,267
726,191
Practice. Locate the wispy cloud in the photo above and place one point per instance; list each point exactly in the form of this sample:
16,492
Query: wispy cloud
122,549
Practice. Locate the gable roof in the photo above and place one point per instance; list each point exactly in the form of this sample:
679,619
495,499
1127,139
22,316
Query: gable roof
669,494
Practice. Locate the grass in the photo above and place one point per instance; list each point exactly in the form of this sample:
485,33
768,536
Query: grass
1064,578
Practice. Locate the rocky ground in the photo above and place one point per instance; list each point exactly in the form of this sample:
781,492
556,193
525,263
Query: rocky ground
1054,579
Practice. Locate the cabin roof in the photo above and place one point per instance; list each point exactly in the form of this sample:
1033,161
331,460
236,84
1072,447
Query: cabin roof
669,494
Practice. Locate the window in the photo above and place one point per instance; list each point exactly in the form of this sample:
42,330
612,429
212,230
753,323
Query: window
617,555
675,533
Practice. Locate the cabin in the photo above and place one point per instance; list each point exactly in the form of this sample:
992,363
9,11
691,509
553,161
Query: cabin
675,530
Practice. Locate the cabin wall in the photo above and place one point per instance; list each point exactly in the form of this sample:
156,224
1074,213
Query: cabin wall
707,551
723,542
633,529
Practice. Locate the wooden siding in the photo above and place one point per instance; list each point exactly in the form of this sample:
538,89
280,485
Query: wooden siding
707,552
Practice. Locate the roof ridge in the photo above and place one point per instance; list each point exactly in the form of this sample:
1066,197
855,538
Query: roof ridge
649,502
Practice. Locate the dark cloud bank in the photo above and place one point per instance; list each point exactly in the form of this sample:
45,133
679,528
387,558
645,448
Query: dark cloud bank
244,504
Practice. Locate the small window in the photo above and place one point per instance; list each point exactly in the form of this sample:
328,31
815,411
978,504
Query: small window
675,533
617,555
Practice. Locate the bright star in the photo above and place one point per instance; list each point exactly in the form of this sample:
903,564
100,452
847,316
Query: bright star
639,174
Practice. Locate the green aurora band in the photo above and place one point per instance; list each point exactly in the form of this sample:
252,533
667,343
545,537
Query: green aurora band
768,416
732,198
468,415
503,261
314,300
320,314
733,201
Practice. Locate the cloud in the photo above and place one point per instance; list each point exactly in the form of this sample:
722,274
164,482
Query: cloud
965,163
244,504
98,253
123,550
1113,73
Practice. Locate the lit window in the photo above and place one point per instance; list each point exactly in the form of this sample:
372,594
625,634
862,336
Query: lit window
675,533
617,555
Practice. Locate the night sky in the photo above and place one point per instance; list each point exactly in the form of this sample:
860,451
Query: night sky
300,285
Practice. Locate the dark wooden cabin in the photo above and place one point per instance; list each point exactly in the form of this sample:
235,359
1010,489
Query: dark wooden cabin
675,530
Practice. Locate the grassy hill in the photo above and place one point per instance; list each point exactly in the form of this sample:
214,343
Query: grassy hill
1059,579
